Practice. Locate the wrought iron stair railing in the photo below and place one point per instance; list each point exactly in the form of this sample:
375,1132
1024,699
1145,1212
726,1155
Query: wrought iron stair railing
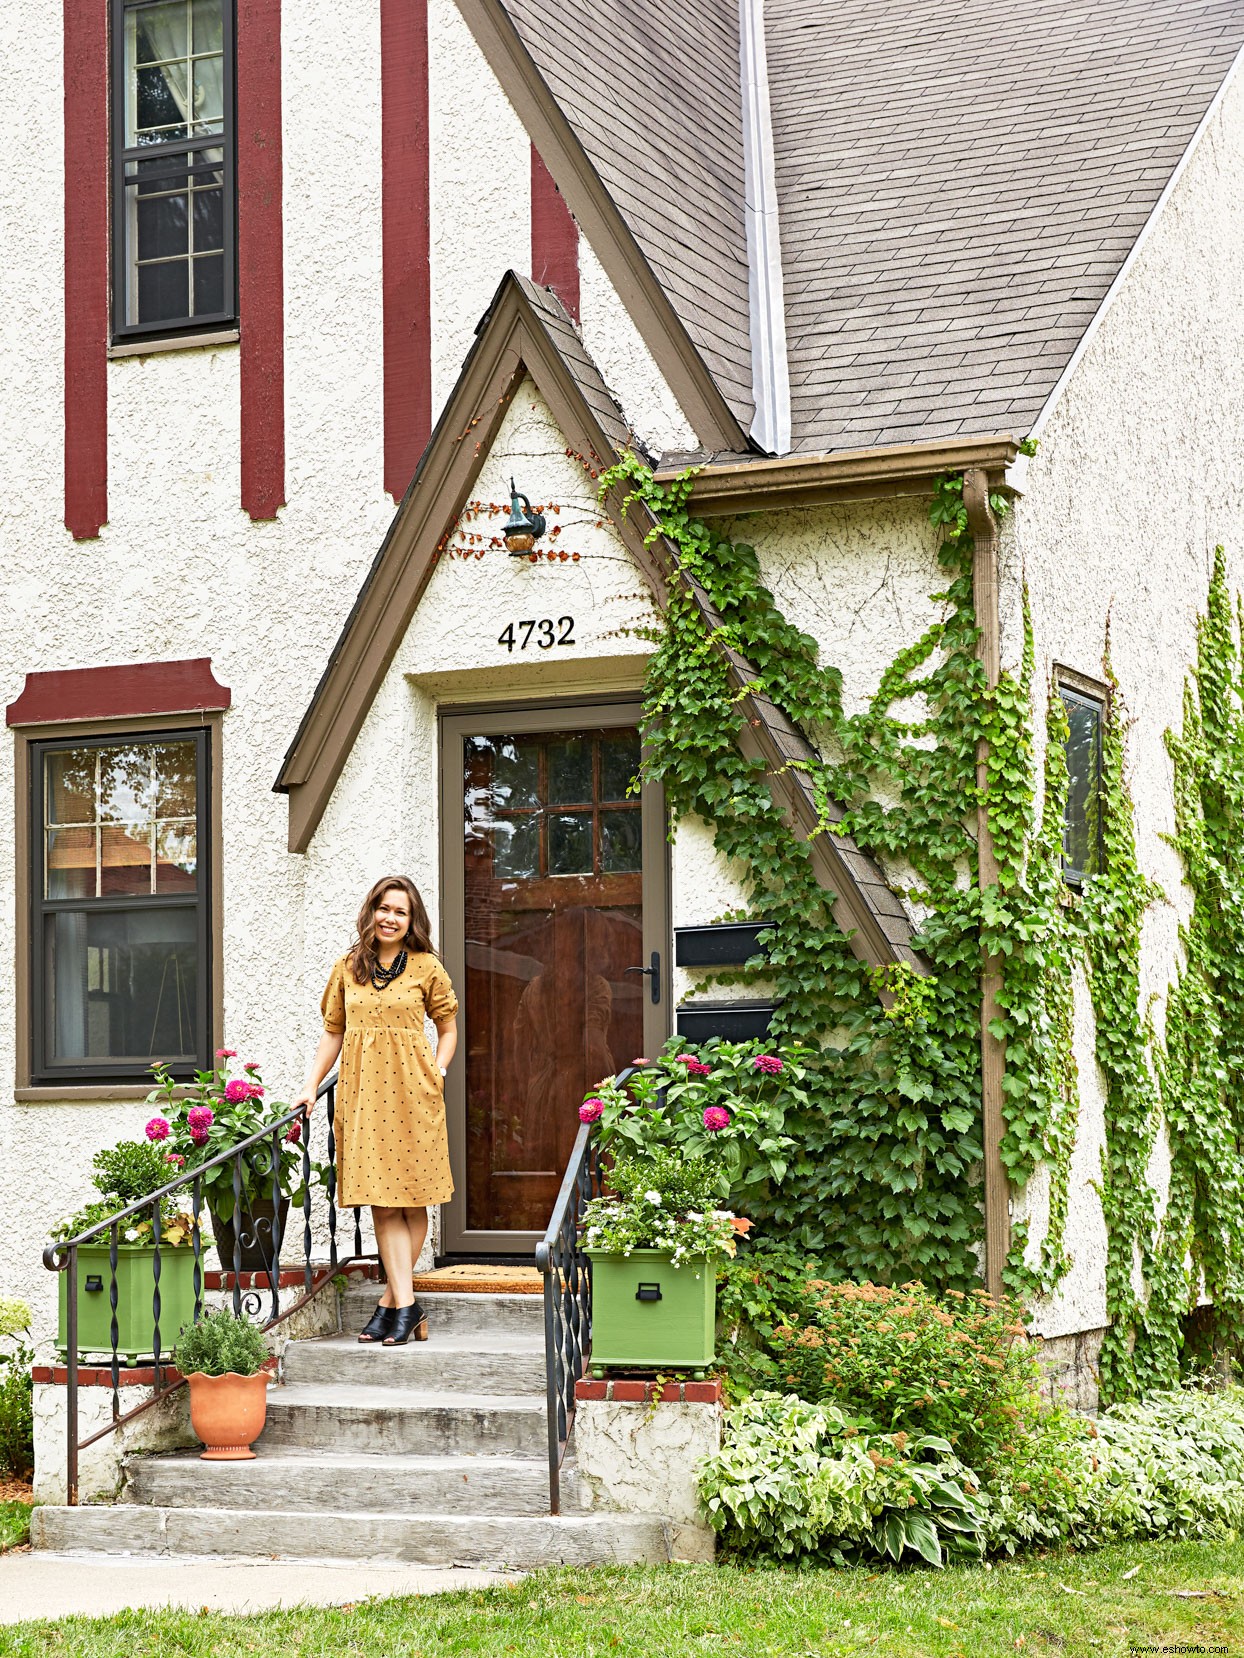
316,1265
568,1292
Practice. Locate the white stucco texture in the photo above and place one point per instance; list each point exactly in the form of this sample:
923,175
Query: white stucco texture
644,1459
625,362
1136,479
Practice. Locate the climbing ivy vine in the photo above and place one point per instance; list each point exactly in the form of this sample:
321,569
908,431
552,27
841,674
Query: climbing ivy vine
886,1181
887,1178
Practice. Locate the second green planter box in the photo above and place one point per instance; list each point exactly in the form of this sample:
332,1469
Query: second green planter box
135,1297
648,1314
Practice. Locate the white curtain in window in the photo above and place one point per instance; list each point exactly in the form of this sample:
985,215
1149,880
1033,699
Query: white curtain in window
166,29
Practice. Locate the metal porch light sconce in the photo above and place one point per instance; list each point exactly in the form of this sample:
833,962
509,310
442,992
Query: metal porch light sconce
524,527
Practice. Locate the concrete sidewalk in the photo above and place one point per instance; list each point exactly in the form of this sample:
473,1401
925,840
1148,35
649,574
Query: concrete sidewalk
45,1585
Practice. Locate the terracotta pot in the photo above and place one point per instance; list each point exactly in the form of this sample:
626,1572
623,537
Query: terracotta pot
228,1413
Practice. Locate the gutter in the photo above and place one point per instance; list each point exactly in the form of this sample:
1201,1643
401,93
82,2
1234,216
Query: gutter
770,426
984,527
721,489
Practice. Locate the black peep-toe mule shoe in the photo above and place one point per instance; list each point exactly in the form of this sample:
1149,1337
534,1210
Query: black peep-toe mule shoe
407,1322
378,1325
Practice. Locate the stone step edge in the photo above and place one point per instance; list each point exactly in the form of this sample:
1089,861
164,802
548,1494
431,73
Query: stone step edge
331,1523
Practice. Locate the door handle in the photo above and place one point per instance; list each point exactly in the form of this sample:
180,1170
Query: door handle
652,974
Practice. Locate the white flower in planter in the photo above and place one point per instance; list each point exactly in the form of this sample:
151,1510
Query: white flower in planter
653,1197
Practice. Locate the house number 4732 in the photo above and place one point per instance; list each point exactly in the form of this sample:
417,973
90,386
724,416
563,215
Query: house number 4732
543,634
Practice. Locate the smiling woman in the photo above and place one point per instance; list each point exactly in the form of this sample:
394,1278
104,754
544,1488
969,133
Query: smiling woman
392,1148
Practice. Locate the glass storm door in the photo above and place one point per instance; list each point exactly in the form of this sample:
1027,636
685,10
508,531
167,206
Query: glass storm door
554,883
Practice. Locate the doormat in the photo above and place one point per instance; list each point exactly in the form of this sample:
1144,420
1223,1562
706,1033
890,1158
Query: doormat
472,1278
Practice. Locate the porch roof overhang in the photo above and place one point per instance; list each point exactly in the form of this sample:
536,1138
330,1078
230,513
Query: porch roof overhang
527,331
753,483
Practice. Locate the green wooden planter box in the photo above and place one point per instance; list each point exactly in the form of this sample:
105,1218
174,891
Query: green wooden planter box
134,1293
648,1314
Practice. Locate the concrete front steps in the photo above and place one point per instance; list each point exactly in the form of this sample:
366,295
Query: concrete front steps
435,1454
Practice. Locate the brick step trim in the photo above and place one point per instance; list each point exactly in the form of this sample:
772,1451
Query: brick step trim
139,1375
650,1393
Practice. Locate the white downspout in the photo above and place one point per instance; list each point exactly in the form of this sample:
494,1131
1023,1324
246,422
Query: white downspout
770,374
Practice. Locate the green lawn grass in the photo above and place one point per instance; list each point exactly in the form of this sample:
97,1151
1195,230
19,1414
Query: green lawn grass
1070,1605
14,1523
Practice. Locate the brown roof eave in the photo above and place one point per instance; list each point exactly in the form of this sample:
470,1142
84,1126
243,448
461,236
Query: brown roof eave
744,485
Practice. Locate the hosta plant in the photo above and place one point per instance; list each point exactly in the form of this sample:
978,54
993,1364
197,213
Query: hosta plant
793,1479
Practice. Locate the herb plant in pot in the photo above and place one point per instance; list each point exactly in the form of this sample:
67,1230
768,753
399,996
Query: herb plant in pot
124,1174
222,1358
204,1118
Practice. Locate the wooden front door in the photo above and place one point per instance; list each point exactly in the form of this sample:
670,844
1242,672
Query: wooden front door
554,889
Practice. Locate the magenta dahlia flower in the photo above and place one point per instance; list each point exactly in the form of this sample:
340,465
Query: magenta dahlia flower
591,1111
199,1119
770,1064
157,1129
716,1117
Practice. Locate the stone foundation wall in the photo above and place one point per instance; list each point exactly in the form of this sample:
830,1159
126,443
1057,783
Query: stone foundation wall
1069,1368
638,1445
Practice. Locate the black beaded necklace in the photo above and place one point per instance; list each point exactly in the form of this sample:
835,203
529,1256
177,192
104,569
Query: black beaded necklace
382,976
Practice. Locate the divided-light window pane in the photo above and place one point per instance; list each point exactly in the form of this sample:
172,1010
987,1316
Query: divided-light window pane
174,187
120,942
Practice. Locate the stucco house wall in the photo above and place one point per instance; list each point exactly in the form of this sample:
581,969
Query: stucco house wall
1136,480
180,570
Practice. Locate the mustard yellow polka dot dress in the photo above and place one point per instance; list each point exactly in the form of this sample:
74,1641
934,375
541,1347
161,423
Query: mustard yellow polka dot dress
392,1147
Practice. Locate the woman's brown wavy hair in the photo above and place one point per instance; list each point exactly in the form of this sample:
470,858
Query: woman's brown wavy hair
363,957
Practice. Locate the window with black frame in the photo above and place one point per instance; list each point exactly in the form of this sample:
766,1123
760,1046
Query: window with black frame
121,925
173,166
1083,845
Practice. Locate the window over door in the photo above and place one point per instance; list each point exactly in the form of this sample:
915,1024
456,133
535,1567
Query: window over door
173,189
120,930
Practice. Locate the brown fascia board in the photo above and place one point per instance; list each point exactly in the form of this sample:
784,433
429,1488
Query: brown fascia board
513,340
720,490
598,217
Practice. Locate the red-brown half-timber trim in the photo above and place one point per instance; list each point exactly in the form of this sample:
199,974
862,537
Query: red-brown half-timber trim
86,267
137,688
405,238
554,238
261,271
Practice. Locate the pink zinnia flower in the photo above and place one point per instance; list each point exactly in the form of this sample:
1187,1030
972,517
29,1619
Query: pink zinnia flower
294,1132
254,1091
199,1136
695,1067
591,1111
199,1119
157,1129
716,1117
175,1158
226,1053
770,1064
237,1091
250,1065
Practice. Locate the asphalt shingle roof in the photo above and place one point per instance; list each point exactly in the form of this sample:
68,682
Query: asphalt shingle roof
652,92
959,182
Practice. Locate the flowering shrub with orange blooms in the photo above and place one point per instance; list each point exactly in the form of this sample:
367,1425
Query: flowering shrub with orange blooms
957,1365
